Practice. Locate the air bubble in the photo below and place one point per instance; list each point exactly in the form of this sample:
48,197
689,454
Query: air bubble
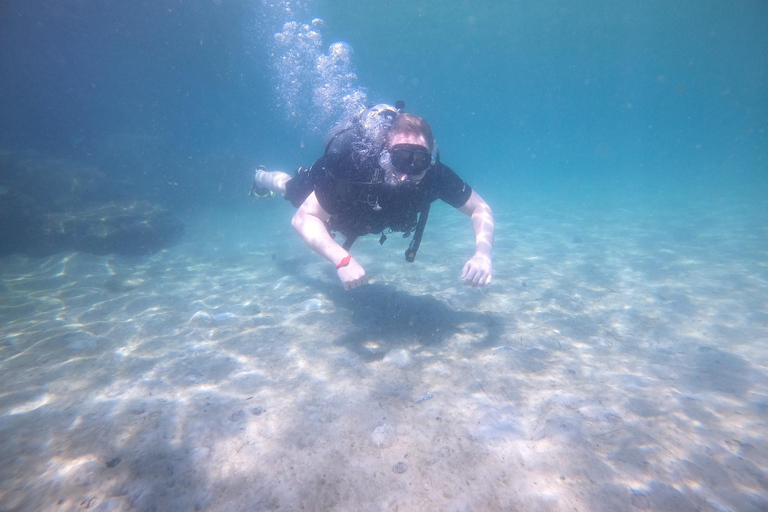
311,85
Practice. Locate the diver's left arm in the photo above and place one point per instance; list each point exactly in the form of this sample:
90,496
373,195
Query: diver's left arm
479,269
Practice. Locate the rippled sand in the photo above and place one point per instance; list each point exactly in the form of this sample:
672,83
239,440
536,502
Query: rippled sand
618,362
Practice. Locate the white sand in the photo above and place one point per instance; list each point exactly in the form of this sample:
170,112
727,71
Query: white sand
618,362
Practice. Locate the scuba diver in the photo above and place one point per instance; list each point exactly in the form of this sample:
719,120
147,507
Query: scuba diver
380,172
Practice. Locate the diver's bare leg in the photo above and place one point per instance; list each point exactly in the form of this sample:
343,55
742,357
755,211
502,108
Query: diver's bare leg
274,180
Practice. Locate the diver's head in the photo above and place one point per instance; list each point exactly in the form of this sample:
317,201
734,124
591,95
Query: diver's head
409,149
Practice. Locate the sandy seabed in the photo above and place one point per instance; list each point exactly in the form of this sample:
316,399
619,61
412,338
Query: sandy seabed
619,362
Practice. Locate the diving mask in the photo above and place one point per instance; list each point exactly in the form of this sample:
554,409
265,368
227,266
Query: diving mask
410,159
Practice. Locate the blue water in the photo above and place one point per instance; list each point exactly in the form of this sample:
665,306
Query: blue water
554,96
617,362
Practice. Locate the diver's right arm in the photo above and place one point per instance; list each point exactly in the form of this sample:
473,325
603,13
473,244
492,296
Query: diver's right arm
309,222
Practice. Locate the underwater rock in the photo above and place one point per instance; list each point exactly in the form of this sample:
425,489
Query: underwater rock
59,184
400,468
383,436
113,462
201,317
130,229
423,398
51,206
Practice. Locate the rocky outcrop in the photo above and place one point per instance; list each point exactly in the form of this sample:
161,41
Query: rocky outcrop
49,206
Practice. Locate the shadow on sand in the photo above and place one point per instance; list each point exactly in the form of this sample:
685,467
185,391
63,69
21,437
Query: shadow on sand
391,318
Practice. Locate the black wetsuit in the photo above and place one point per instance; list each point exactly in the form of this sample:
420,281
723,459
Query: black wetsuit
359,204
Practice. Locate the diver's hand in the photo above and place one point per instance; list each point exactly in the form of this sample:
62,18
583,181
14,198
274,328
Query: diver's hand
477,271
352,275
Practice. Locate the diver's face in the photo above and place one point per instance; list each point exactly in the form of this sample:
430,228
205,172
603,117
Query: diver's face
412,141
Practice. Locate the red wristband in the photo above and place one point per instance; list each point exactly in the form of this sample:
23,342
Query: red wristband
345,261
